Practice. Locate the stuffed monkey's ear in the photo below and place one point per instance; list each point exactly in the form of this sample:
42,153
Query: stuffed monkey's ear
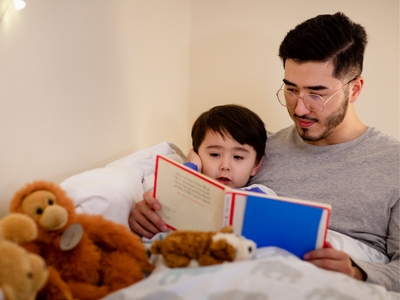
222,250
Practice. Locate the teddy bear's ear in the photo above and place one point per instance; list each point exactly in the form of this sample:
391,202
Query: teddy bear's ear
227,229
222,250
18,228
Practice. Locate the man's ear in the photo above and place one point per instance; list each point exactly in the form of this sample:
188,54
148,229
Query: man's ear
356,88
256,167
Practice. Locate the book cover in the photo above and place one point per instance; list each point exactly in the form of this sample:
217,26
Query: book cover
297,226
192,201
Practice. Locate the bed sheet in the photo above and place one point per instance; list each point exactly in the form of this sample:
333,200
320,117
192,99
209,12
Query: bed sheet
273,274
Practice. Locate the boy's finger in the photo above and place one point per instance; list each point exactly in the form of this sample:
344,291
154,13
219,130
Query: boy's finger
138,229
151,201
140,220
148,218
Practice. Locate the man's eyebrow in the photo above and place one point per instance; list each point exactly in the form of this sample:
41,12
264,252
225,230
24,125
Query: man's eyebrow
315,88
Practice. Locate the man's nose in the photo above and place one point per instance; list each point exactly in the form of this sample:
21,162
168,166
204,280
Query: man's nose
301,108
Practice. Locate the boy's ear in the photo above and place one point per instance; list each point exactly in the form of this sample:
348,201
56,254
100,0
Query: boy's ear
256,167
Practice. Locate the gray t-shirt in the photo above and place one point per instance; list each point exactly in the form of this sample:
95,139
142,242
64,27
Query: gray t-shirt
360,179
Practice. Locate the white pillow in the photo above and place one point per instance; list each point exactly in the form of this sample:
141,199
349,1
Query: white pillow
112,191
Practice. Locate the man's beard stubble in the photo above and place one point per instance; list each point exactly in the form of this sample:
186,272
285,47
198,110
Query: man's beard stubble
331,123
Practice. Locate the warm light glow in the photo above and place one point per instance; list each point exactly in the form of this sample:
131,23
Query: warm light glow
19,4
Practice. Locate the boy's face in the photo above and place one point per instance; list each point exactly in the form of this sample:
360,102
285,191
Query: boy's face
227,161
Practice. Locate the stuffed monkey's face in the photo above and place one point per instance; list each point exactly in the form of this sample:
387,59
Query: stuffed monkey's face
43,208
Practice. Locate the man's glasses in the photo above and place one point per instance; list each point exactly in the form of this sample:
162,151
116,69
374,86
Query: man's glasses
312,101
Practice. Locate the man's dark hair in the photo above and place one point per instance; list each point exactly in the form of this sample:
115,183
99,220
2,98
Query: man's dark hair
240,123
327,37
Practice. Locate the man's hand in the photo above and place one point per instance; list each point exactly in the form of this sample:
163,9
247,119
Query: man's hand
331,259
143,219
194,158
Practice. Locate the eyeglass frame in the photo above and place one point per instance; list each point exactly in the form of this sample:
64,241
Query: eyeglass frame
305,102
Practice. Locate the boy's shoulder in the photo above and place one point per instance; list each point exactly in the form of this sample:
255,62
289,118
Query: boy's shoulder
259,188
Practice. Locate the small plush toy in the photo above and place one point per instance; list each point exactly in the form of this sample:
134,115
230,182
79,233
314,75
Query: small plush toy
181,248
22,274
88,256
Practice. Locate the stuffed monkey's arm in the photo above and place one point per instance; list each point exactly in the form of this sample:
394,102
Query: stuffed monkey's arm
112,236
55,287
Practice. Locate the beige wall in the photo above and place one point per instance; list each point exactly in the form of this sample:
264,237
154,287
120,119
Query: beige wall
85,82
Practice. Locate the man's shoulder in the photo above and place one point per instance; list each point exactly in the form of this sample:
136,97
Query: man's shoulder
282,134
377,136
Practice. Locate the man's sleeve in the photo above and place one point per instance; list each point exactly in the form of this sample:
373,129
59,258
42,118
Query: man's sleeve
387,275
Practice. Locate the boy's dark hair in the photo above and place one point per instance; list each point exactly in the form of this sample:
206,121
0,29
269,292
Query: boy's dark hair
327,37
242,124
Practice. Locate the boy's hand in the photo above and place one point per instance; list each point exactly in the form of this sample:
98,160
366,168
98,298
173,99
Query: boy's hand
194,158
331,259
143,219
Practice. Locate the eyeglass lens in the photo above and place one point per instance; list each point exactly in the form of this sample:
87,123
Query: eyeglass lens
288,99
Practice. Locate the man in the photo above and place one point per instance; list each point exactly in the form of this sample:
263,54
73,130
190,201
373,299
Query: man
328,155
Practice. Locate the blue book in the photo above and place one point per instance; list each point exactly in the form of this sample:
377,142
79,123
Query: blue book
297,226
192,201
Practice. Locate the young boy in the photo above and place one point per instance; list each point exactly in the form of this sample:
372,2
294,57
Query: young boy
228,146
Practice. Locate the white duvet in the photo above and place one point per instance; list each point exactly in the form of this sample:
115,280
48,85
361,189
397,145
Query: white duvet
273,274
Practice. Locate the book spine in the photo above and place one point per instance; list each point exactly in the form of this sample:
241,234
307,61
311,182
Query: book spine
226,220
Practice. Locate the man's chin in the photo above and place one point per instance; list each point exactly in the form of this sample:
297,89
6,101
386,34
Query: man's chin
307,136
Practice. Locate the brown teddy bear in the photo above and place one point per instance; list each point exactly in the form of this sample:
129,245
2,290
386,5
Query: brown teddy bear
182,248
22,274
88,256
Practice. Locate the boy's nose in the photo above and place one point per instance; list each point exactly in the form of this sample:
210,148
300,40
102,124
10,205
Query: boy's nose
225,165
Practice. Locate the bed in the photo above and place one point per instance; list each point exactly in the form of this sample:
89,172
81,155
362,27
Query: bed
273,274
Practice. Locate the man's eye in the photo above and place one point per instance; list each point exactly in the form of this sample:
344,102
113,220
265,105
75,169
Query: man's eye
315,96
292,90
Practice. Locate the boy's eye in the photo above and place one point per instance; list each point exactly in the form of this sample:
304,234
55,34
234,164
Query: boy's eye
214,154
238,157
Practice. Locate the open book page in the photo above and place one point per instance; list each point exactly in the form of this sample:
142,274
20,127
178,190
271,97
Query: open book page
189,200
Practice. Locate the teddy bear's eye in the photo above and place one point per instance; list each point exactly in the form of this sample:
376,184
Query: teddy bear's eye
51,202
39,211
29,275
250,249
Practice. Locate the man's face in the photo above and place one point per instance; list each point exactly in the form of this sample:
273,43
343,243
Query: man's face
227,161
318,128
